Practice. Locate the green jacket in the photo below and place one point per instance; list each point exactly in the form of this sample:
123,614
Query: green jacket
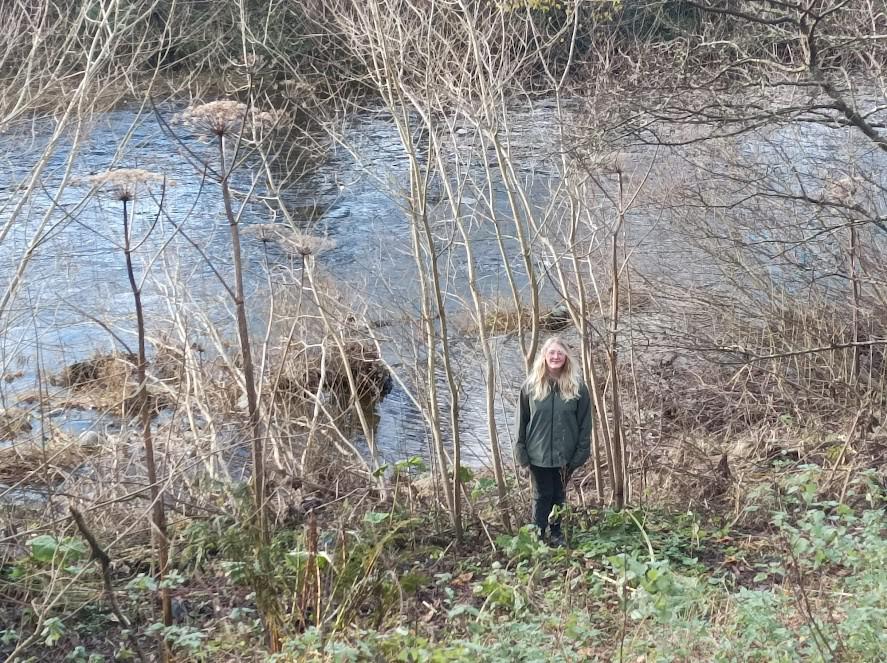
554,432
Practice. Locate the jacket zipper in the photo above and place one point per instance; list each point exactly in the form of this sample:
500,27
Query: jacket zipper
551,428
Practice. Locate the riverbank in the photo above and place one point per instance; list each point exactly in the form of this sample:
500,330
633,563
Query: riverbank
791,570
259,372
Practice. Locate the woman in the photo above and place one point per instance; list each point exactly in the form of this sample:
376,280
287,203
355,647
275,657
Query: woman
554,429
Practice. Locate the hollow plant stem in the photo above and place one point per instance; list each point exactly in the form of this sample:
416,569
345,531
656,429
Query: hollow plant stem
141,400
252,401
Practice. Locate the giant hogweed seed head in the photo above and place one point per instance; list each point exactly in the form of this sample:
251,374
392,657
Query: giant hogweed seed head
123,183
291,241
225,117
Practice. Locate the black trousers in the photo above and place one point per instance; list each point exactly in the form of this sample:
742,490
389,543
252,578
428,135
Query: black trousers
549,489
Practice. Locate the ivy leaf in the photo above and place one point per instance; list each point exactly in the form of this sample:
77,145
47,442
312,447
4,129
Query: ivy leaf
375,517
53,630
72,549
43,547
462,609
411,463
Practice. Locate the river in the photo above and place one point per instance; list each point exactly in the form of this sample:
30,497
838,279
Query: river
75,300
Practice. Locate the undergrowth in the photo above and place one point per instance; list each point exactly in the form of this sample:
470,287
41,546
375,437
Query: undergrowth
797,576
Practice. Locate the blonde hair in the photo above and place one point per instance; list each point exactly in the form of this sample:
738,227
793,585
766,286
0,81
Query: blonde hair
538,383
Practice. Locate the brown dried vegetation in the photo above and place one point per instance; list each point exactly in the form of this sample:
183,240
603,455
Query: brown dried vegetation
33,464
106,382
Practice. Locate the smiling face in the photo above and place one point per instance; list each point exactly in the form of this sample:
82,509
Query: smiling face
555,358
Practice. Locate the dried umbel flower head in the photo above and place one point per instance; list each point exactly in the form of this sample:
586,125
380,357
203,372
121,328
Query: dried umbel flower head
298,91
306,245
292,241
226,117
846,188
219,118
123,183
264,232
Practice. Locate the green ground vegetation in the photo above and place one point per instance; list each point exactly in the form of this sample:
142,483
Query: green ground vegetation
795,575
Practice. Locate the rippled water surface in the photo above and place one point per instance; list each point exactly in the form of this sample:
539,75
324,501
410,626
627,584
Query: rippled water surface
74,299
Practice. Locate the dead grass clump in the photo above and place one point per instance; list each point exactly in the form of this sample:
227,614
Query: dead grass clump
790,362
330,472
33,464
290,240
690,394
11,376
555,320
499,317
305,366
371,376
106,371
723,473
13,422
168,364
105,382
503,318
632,298
834,370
